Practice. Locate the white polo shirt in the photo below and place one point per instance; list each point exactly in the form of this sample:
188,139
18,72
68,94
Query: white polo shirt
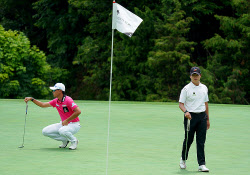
194,97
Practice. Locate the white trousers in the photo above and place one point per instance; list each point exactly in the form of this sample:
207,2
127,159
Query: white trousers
62,133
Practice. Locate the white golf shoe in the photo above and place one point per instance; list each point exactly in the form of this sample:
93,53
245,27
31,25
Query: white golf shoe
73,145
183,164
203,168
64,144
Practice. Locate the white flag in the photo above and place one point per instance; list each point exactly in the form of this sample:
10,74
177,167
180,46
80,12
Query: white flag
124,21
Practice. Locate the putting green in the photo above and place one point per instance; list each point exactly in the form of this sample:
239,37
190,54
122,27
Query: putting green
145,139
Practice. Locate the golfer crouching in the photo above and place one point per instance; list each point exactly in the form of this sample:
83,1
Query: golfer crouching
68,111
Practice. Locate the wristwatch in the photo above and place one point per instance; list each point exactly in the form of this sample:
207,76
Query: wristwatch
32,99
185,112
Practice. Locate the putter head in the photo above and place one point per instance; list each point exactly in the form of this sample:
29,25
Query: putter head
21,146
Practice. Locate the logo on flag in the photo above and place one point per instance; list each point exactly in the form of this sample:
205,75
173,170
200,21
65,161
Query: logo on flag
124,21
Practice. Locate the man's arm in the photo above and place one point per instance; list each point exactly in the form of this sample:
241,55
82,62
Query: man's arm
38,103
207,112
187,114
76,113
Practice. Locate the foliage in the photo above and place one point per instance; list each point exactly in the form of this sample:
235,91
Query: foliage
229,56
170,56
131,72
23,68
152,65
18,15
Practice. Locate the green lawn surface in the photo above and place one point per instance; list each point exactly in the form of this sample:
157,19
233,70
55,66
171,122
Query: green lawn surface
145,139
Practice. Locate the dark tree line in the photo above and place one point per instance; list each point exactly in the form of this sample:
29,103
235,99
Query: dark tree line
74,41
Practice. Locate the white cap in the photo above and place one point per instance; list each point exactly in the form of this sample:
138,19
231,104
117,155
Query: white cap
58,86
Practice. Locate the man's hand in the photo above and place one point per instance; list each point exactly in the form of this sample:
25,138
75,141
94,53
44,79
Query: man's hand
65,123
38,103
208,124
28,99
188,115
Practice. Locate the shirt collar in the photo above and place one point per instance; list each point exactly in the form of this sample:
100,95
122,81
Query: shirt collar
63,99
193,85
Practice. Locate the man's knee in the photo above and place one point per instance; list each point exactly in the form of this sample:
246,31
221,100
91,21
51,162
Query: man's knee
63,131
45,132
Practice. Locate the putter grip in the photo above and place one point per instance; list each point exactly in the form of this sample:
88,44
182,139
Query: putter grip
188,125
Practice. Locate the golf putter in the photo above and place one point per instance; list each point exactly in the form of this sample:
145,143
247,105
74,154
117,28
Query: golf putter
188,128
24,125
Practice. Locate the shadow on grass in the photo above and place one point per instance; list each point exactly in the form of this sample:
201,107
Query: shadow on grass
183,171
57,149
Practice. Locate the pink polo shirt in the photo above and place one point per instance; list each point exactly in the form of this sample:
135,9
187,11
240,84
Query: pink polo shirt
65,107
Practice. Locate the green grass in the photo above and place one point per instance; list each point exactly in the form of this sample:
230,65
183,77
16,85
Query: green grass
145,139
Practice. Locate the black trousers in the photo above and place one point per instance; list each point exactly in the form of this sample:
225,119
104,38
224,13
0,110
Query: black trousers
198,125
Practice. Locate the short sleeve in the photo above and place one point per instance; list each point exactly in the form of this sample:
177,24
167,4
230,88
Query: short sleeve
183,95
71,104
53,102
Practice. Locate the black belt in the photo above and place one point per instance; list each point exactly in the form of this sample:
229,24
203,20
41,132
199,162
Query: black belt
197,112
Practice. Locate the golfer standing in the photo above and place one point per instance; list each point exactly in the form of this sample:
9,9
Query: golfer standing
68,111
194,103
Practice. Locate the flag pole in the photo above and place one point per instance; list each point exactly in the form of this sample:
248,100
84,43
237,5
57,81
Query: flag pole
110,87
109,102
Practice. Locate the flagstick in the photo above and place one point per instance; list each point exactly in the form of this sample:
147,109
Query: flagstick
111,66
110,100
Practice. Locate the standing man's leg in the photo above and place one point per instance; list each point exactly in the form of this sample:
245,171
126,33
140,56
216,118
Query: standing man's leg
201,138
187,142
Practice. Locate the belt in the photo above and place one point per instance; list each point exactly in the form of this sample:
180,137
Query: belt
197,112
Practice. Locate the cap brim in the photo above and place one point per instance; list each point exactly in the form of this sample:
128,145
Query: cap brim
195,73
52,88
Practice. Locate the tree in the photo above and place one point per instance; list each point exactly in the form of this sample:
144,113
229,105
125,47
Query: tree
18,15
23,68
93,52
204,24
170,58
229,55
130,74
130,54
153,65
